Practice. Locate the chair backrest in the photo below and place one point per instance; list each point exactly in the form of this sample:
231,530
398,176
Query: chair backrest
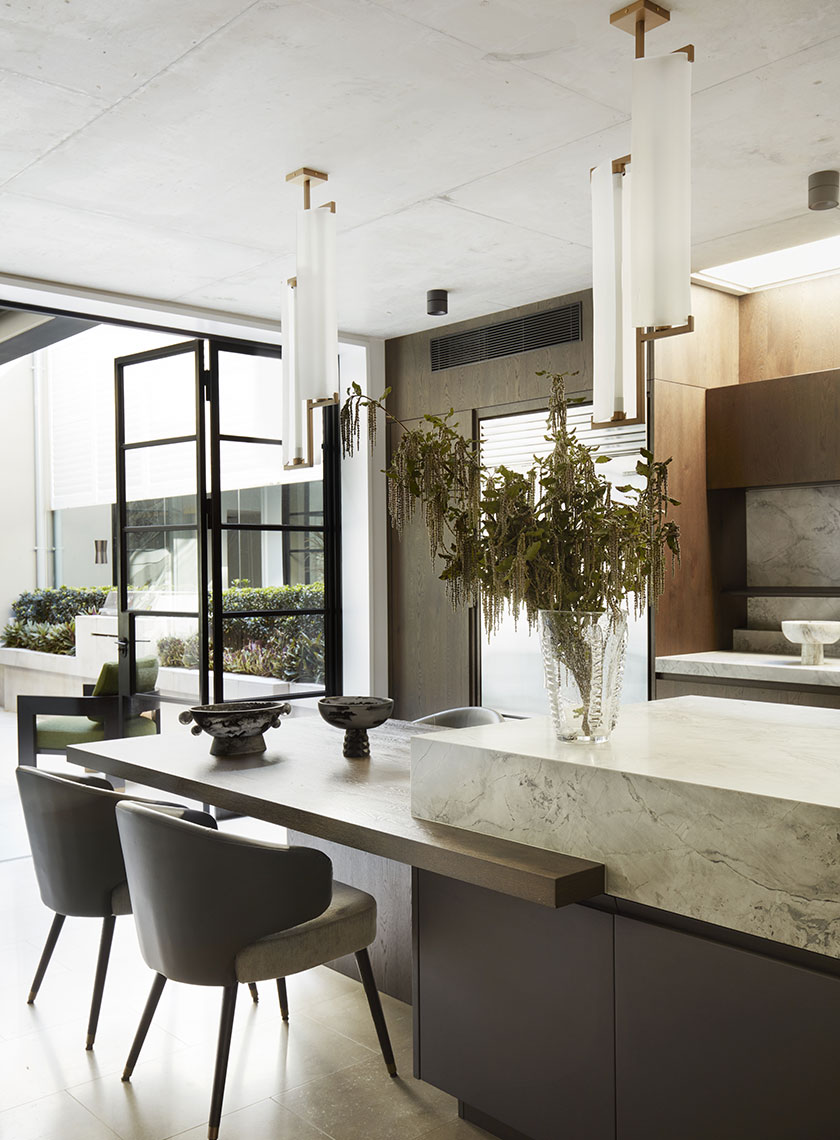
73,835
72,829
108,681
464,717
200,896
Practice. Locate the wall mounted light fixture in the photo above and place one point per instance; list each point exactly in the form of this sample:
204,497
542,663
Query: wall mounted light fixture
310,320
641,241
100,551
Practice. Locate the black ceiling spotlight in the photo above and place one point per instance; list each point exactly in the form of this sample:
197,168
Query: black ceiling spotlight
437,302
824,190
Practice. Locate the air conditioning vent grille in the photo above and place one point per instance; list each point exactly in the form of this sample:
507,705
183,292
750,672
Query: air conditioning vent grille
539,330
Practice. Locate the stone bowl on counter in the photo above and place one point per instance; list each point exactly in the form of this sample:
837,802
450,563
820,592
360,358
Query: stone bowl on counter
356,715
812,636
237,728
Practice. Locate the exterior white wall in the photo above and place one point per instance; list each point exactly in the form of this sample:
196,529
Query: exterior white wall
364,532
17,465
75,532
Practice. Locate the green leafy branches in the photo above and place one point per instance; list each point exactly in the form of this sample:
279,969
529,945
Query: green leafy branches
553,537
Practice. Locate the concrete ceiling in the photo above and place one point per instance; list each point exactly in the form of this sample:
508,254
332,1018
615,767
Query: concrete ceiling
144,146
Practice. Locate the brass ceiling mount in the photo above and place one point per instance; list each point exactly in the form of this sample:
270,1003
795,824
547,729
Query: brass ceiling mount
305,177
638,18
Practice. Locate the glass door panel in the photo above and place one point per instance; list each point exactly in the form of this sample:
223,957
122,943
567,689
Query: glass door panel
269,574
160,507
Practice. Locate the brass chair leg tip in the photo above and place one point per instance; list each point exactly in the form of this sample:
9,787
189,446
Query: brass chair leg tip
89,1042
31,999
392,1070
126,1076
212,1134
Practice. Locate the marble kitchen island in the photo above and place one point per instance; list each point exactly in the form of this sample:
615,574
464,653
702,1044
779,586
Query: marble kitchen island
717,943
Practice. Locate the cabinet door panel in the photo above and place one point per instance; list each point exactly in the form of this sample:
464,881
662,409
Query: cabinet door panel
717,1042
515,1008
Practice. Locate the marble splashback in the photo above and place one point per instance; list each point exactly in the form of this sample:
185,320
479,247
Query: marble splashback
793,538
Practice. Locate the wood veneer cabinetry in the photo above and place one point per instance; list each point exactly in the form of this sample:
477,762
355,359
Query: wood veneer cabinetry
774,433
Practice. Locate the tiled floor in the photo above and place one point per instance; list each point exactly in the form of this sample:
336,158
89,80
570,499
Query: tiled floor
319,1076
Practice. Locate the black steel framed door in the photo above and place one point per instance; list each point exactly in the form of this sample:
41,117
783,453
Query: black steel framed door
212,532
161,506
288,528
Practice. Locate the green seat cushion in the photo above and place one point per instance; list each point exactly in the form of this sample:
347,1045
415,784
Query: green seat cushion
108,681
59,731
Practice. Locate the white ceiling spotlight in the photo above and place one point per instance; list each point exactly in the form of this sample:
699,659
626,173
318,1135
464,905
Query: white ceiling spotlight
310,323
641,241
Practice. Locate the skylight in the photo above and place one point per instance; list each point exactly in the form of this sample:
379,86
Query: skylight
816,259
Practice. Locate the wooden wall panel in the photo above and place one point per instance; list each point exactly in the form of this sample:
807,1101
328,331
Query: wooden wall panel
509,379
791,330
708,357
685,620
775,432
429,658
685,368
429,663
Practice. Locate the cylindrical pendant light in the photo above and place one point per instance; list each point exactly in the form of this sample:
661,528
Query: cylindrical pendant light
316,309
292,403
613,349
661,206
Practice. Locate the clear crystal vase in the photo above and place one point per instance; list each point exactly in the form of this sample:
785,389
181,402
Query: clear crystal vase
583,659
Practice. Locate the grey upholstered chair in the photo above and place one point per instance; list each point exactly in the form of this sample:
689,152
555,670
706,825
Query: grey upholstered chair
464,717
214,909
78,862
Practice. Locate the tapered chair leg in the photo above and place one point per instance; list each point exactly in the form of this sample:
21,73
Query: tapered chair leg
255,993
284,998
372,995
46,954
143,1027
222,1054
99,982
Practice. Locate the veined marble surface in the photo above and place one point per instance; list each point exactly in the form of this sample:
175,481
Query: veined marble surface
793,534
725,811
751,667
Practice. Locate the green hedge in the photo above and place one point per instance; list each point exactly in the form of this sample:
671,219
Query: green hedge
61,604
45,620
289,647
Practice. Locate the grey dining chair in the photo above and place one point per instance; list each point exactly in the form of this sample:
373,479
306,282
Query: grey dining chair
78,861
465,717
214,909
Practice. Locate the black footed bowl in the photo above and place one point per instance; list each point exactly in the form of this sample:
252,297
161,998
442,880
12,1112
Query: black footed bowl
237,728
355,715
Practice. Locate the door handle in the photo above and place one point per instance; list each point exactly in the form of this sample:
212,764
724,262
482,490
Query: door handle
122,646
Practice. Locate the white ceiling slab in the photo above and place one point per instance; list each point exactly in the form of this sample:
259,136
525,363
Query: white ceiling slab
36,117
275,92
103,48
122,256
149,142
492,265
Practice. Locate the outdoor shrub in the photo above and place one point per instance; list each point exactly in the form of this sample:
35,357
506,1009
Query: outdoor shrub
171,651
45,637
242,632
191,655
59,605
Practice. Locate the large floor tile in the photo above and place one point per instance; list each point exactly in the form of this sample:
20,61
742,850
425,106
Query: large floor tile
172,1095
364,1103
58,1115
258,1122
350,1015
55,1058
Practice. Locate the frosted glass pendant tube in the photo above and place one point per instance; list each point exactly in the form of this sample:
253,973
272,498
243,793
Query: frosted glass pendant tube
316,320
614,361
292,403
661,207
